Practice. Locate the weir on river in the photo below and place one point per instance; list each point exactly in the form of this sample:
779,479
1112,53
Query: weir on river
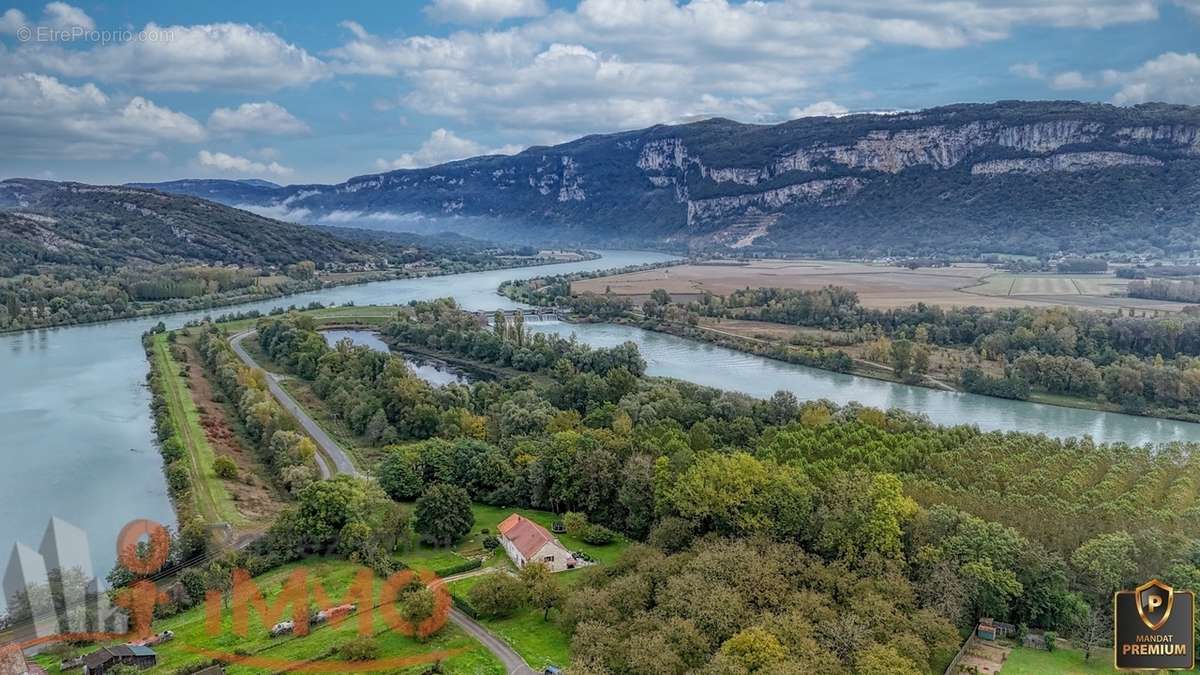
76,437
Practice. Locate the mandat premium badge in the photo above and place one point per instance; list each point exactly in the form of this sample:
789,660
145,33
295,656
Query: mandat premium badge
1153,628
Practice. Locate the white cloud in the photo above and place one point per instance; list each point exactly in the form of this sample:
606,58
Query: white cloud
613,64
1030,70
819,109
226,163
483,11
1072,79
64,16
261,118
1192,6
41,116
57,15
184,58
442,146
1171,77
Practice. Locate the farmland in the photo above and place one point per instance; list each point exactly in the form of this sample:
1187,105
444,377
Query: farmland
884,286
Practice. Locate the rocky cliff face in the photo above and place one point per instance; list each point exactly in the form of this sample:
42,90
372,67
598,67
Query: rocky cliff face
1062,175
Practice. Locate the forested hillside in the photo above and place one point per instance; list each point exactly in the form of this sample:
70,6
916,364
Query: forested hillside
1016,177
105,226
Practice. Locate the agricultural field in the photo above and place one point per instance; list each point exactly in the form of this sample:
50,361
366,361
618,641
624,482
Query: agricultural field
884,286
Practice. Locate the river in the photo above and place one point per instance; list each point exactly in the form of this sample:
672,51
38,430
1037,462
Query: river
75,428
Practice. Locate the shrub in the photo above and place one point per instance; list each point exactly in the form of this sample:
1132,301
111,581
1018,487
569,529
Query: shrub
225,468
359,649
491,543
465,566
575,523
178,482
1051,640
598,535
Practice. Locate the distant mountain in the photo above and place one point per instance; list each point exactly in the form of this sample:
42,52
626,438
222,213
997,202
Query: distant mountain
44,222
1015,177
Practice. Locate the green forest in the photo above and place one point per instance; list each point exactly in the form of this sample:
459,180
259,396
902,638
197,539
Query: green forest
774,534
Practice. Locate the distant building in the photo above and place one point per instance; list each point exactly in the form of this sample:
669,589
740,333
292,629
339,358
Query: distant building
107,658
525,541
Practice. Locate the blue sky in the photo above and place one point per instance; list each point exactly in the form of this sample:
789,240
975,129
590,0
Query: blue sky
117,91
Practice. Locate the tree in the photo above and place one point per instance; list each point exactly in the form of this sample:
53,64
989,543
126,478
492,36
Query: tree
498,595
1093,628
399,476
443,514
544,591
416,607
755,649
1106,562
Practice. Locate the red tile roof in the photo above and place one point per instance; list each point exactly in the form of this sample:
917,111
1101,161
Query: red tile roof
526,535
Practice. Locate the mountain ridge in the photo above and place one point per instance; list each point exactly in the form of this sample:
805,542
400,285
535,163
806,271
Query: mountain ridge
1012,176
102,226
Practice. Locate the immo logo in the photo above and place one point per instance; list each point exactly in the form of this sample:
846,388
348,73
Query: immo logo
54,596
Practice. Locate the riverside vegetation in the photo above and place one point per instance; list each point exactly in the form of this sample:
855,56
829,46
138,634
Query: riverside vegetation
1139,365
772,535
73,253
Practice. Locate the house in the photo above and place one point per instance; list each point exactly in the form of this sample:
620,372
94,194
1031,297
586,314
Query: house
107,658
526,541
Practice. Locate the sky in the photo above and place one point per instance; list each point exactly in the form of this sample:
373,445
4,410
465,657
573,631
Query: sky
291,92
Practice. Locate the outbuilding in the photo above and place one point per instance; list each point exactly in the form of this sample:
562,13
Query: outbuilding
106,658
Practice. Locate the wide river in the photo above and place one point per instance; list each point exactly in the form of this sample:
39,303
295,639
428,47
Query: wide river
75,428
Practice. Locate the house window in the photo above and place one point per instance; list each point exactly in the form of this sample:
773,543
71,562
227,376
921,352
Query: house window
548,558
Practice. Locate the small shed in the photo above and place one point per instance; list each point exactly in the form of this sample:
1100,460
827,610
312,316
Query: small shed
986,629
107,658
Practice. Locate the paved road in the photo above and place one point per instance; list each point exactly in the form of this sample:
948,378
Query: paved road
329,447
513,663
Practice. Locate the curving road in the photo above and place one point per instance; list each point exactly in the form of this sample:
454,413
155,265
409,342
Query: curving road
513,663
329,448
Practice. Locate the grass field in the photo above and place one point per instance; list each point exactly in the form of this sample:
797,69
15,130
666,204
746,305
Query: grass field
487,518
212,500
1022,661
538,641
264,654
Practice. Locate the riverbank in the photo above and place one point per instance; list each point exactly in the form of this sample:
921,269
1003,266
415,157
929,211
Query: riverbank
331,281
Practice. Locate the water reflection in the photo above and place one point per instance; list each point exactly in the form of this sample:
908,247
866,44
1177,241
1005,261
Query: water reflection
435,372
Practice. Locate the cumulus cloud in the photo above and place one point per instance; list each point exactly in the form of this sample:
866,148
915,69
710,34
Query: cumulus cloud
1171,77
64,16
226,163
57,15
819,109
184,58
1072,79
612,64
1030,70
442,146
483,11
261,118
41,116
